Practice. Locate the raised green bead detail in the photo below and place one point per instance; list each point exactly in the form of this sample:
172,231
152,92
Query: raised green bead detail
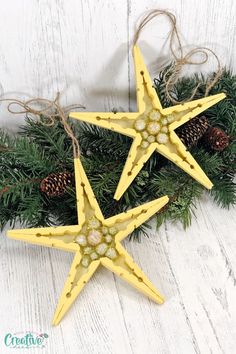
108,238
111,253
162,138
164,129
154,115
144,144
113,230
170,118
153,128
94,237
140,125
81,240
105,230
164,121
87,250
151,139
85,261
94,223
101,249
145,135
94,256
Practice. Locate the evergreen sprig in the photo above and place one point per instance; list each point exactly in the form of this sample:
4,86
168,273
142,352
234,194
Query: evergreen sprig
39,150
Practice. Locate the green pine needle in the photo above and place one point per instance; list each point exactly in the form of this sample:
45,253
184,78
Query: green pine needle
39,150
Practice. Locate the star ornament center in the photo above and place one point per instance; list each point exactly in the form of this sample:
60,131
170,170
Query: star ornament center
152,128
95,241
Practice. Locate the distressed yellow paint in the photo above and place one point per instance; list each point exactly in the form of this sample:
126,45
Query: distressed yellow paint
64,237
123,122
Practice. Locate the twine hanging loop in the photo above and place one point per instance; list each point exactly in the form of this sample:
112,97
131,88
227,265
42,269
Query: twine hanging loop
51,110
180,59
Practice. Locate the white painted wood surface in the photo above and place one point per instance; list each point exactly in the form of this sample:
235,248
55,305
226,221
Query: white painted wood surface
81,48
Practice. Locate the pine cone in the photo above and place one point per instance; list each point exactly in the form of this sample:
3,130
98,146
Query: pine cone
56,183
216,139
192,131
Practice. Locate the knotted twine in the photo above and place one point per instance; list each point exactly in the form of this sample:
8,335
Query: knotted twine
180,59
51,110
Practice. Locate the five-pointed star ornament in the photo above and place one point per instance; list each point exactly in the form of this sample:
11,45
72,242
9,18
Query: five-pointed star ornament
95,241
152,128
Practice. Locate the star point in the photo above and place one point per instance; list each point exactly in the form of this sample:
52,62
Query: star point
95,241
152,128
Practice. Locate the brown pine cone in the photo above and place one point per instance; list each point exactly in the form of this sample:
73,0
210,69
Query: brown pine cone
216,139
56,183
192,131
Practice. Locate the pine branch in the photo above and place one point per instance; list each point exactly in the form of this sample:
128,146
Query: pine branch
39,150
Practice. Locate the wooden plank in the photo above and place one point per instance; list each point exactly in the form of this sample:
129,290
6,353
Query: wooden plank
75,47
202,23
196,274
193,269
80,48
31,281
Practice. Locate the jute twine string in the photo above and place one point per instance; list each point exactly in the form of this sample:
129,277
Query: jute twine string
180,59
51,109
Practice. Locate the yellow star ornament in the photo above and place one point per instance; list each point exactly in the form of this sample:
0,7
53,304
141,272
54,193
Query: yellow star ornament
95,241
152,128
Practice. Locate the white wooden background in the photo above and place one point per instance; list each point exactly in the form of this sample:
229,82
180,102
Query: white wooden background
81,48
